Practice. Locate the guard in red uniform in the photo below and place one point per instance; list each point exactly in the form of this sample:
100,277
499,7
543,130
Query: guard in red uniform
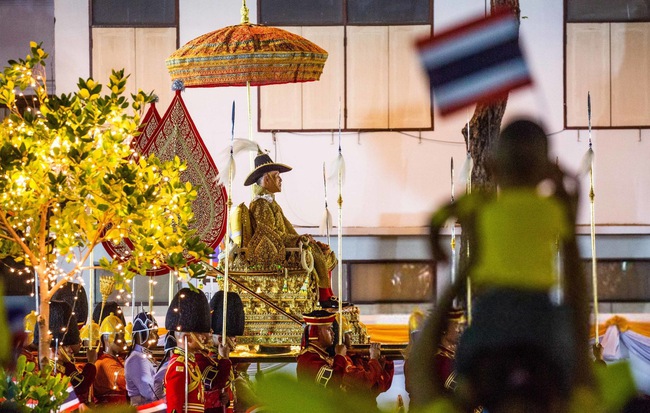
110,383
217,371
445,355
365,374
188,316
314,363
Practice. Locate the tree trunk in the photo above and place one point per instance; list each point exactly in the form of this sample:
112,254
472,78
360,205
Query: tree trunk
485,125
480,134
43,316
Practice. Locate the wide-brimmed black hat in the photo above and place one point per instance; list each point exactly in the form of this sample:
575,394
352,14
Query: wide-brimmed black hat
235,319
189,312
264,164
75,295
109,307
63,325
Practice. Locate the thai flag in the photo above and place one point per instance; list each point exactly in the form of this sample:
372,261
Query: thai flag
71,403
477,61
159,406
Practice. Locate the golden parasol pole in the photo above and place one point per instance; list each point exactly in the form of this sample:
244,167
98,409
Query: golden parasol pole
251,155
340,175
231,166
151,294
170,291
91,297
133,300
106,284
592,196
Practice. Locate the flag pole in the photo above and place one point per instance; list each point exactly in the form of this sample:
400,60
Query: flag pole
592,197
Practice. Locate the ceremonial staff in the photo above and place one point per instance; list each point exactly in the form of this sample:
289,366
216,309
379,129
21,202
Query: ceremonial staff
340,172
592,196
453,229
231,173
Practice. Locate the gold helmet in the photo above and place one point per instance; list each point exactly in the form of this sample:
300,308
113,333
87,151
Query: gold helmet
30,325
85,332
416,320
111,326
128,333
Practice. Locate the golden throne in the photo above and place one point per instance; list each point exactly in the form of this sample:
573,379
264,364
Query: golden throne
276,284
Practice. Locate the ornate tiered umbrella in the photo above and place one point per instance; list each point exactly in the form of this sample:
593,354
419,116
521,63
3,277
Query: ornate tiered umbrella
246,55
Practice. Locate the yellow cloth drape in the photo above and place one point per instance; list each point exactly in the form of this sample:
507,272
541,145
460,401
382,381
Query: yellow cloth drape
388,333
623,325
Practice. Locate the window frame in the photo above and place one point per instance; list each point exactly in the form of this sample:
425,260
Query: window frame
345,110
587,263
349,275
611,109
136,28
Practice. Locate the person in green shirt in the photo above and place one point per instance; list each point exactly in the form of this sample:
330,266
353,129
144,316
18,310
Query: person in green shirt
519,345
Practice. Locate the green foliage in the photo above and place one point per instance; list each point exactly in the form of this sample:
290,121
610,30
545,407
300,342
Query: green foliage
69,180
25,386
282,393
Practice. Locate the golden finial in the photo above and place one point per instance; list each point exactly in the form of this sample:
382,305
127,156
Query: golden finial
244,13
106,284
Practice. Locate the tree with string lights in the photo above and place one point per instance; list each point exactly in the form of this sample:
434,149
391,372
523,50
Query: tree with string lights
70,180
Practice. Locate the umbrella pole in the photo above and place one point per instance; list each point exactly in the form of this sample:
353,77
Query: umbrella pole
251,155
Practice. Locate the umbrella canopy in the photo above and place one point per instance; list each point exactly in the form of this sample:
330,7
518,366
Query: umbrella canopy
246,55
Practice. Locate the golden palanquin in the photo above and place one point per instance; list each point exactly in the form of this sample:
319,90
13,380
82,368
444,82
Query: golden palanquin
276,284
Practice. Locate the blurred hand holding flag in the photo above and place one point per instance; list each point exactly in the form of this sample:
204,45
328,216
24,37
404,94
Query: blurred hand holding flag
479,60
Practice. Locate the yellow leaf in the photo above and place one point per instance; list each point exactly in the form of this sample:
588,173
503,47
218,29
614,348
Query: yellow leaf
84,93
174,249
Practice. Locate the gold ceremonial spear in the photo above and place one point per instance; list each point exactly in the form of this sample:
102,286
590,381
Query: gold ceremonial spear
453,231
594,271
